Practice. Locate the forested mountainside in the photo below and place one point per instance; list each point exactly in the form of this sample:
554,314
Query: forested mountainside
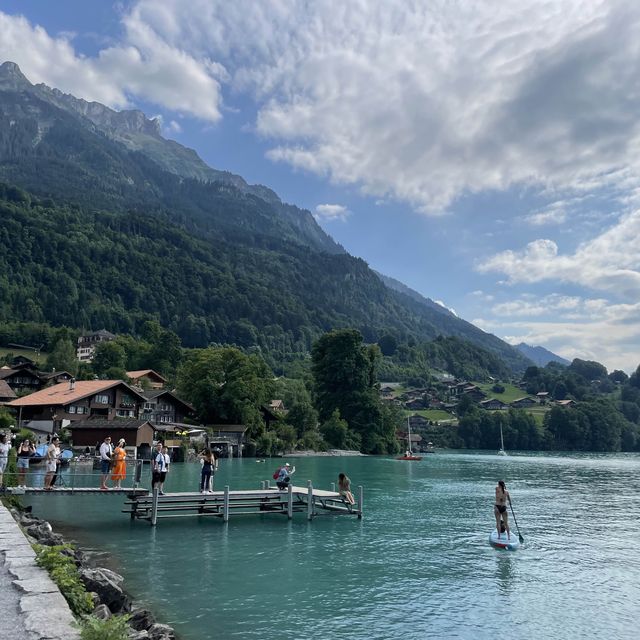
100,234
539,355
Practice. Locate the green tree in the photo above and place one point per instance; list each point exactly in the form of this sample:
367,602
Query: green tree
108,355
63,357
227,386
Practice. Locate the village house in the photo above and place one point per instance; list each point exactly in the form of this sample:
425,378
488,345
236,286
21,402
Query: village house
53,408
147,379
229,438
523,403
474,392
566,403
278,406
87,344
164,407
542,397
138,434
7,394
493,404
418,422
21,380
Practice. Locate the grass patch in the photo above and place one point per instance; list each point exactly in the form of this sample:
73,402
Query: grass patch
27,353
432,414
63,571
115,628
511,392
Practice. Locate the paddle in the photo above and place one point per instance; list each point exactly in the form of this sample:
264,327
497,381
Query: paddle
517,527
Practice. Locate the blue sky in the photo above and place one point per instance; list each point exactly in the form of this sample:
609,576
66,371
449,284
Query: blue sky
485,155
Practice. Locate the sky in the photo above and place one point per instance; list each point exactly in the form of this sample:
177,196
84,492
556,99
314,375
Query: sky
485,154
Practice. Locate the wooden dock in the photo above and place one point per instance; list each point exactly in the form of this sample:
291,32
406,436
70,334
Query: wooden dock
222,504
138,491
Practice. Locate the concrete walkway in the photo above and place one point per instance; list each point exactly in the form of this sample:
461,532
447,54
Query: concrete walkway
32,606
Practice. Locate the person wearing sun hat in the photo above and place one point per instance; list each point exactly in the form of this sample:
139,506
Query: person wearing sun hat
284,475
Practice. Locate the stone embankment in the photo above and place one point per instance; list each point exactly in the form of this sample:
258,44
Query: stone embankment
41,604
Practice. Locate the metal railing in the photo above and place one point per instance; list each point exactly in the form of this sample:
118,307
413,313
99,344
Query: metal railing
78,473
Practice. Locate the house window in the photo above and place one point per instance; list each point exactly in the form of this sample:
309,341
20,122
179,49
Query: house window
148,406
101,399
72,409
124,413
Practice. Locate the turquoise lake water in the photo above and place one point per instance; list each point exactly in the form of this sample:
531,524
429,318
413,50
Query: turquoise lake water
418,565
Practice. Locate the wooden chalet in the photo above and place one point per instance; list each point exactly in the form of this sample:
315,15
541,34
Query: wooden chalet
53,408
523,403
147,378
7,394
138,434
566,403
164,407
493,404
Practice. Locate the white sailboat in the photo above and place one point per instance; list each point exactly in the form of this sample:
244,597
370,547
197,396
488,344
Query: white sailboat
409,452
501,452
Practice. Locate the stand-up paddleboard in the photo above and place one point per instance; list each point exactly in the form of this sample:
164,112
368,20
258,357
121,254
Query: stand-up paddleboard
511,543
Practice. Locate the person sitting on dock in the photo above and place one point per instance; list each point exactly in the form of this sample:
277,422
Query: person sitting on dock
344,489
284,476
105,462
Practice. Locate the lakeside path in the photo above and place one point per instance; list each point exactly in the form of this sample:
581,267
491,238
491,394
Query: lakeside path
32,605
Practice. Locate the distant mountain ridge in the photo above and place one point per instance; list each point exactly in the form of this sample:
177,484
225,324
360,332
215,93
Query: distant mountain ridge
243,265
540,356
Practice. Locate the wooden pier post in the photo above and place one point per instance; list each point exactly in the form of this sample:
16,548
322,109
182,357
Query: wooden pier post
225,507
310,503
290,501
154,506
360,501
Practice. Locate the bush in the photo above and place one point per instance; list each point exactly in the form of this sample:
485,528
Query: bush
64,573
497,388
115,628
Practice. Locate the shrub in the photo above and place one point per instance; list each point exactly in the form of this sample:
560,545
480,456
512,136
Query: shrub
114,628
497,388
64,573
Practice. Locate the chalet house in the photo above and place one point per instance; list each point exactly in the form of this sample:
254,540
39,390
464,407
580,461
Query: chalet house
542,397
474,392
55,377
7,394
230,438
493,404
278,406
147,378
138,434
88,342
417,404
164,407
566,403
418,422
21,380
523,403
51,409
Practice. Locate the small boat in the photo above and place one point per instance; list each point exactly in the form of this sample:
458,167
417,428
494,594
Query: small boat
511,543
408,454
501,452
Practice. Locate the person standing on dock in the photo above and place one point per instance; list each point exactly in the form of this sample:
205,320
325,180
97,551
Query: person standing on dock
105,462
25,451
160,468
119,472
284,476
209,462
51,461
4,455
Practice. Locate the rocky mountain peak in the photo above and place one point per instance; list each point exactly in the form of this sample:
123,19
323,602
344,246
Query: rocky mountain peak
11,77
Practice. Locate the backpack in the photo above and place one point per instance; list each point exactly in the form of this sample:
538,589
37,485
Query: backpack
276,474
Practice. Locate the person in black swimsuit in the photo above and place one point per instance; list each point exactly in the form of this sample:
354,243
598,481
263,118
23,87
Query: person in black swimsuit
500,508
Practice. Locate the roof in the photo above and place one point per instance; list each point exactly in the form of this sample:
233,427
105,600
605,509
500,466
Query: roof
153,394
228,428
6,391
100,332
134,375
119,424
5,373
62,394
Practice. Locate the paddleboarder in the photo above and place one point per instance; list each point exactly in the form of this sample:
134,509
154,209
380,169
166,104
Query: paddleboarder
500,507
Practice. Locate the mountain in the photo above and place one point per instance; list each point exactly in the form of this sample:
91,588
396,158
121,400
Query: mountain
111,224
539,355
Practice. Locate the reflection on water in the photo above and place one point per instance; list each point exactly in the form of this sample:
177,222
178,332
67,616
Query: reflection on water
418,565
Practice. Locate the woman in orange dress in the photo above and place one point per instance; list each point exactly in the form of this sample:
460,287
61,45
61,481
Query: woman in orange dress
119,466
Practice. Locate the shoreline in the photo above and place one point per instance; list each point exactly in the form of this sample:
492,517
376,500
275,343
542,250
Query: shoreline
105,587
331,453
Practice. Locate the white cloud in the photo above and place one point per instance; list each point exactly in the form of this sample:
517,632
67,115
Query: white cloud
450,309
425,102
331,212
610,336
610,262
141,66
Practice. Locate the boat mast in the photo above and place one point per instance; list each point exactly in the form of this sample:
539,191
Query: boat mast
501,440
409,436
